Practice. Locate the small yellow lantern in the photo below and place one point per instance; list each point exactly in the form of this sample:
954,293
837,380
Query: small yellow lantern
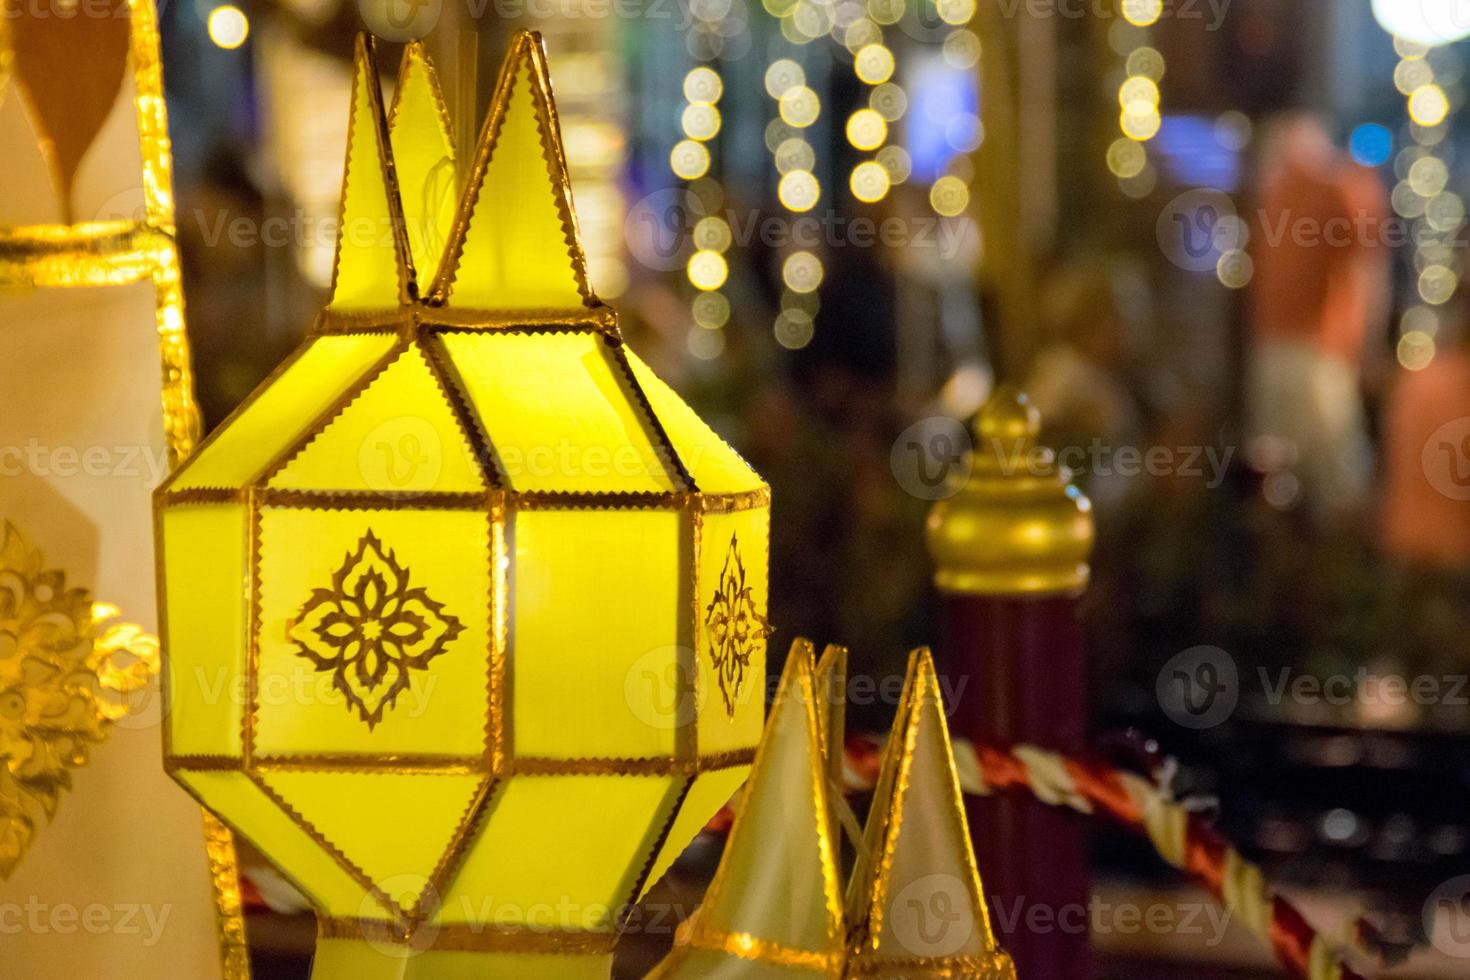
464,608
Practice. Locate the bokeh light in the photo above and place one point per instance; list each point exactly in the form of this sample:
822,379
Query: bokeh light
874,64
949,196
866,129
799,190
869,181
802,272
689,160
708,270
228,26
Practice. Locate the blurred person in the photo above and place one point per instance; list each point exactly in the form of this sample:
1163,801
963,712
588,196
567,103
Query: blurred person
1425,517
1424,520
1319,292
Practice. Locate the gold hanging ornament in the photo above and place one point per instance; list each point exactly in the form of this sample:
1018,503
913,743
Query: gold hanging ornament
486,598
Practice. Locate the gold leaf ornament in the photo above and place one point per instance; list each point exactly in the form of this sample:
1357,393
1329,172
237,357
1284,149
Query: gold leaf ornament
372,628
65,673
735,624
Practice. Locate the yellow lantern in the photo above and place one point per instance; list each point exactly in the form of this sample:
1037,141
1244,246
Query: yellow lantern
465,609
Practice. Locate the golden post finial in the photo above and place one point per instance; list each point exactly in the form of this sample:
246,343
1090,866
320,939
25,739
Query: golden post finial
1015,526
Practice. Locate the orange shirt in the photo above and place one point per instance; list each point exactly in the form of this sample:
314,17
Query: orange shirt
1426,462
1318,242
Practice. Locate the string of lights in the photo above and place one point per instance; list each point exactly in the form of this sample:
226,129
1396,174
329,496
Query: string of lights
1427,77
859,27
798,107
700,122
1138,96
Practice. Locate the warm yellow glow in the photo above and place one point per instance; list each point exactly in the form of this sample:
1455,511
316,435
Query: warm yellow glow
956,12
889,101
802,272
706,344
711,310
1437,284
799,190
1141,126
1429,106
689,160
708,270
895,160
869,181
874,64
1407,49
800,106
1235,269
962,49
1428,176
701,121
1147,62
1139,94
712,233
949,196
703,85
484,582
1143,13
782,75
1411,75
866,130
1416,350
228,26
860,33
795,154
886,12
794,329
1445,212
810,21
1126,158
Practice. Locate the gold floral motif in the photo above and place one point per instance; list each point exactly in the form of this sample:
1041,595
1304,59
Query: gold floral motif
370,629
65,674
735,625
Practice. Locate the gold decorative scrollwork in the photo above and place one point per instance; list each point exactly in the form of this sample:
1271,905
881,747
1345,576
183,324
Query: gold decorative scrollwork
734,624
66,670
370,629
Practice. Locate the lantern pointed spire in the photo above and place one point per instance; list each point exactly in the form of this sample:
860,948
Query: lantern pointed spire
776,897
515,243
424,158
366,275
915,902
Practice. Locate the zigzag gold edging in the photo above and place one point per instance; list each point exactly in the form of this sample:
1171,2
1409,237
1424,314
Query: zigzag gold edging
526,49
996,967
474,938
671,765
751,947
119,253
699,503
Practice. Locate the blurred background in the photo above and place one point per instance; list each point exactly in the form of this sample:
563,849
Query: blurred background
1219,242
